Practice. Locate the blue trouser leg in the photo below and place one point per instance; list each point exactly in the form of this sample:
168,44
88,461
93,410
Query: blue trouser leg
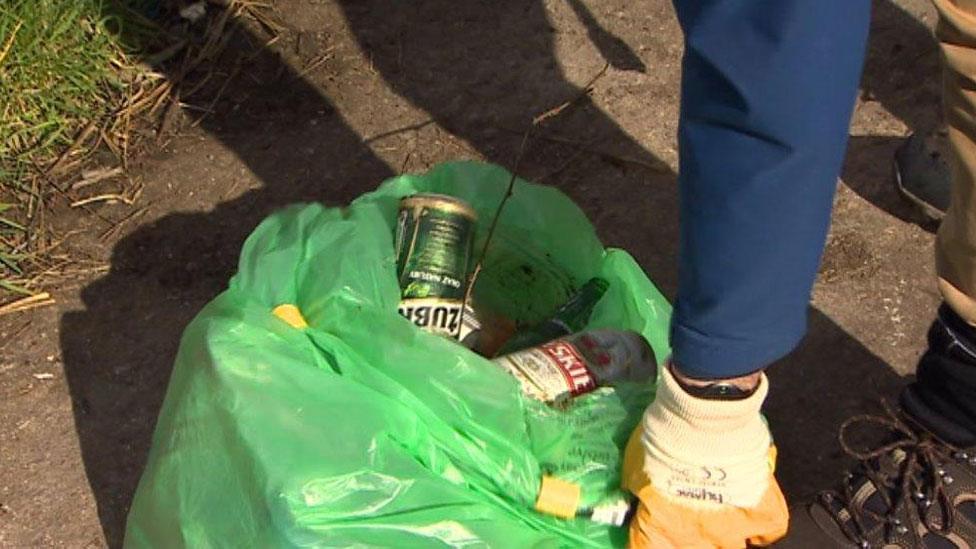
768,87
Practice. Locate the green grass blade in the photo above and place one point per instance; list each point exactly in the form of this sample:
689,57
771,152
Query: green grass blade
12,224
10,286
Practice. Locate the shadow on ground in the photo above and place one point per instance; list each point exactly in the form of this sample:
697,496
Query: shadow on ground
902,74
118,351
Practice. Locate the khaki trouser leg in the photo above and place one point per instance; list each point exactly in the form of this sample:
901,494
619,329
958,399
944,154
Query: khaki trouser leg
956,242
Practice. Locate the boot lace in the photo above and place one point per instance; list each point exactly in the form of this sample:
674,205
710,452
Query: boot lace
917,483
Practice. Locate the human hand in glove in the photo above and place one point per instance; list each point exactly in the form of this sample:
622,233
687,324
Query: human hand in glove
703,472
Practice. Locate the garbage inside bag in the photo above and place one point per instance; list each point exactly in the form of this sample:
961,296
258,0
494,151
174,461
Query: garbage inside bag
304,410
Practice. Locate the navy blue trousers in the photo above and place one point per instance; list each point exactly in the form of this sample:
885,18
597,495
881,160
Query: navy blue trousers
768,88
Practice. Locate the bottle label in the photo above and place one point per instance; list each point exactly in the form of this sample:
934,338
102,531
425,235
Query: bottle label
434,239
550,372
614,513
470,322
439,316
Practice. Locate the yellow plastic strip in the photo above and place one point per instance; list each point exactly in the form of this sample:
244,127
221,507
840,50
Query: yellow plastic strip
558,498
290,314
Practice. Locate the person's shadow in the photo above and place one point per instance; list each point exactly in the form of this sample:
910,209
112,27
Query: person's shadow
902,75
482,70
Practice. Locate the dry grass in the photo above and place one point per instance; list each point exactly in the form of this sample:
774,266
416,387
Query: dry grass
88,83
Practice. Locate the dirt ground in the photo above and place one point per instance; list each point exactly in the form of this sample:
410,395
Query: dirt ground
355,92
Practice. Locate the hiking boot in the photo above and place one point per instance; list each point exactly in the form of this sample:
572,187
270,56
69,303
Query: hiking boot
922,173
915,491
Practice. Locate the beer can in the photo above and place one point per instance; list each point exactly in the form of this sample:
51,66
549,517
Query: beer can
434,239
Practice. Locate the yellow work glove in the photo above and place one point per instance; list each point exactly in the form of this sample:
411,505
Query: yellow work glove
712,464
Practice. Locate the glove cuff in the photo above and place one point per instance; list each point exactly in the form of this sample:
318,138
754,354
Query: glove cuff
706,452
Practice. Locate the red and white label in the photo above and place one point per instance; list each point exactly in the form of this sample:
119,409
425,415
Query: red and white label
550,372
571,365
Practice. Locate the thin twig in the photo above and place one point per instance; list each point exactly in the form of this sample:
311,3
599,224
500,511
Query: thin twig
316,63
192,107
536,122
403,129
199,84
109,197
585,91
90,177
31,197
494,221
659,167
220,93
572,158
25,303
79,139
115,229
67,198
406,160
162,93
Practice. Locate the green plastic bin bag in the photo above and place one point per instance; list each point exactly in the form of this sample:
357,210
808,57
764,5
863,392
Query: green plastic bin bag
360,429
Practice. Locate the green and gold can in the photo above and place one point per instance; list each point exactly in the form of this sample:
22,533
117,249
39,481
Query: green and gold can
434,239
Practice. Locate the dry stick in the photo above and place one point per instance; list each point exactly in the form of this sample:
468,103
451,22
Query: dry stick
162,93
67,198
494,221
220,93
35,214
585,91
90,177
198,85
406,159
31,197
255,10
572,158
126,133
584,146
158,58
79,139
115,229
29,302
108,197
168,118
112,146
212,46
136,107
403,129
536,121
316,63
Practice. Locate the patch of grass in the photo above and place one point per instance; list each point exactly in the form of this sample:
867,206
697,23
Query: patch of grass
65,72
76,77
56,72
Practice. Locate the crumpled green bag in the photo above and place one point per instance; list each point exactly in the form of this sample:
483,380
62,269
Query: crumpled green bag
363,430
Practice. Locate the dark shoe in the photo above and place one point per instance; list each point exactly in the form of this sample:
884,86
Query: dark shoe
913,492
922,173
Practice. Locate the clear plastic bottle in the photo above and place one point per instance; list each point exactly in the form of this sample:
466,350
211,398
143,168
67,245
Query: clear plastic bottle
579,363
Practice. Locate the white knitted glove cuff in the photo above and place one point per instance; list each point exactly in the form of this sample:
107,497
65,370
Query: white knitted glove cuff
706,453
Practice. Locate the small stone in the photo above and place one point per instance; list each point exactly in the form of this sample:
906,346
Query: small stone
194,11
